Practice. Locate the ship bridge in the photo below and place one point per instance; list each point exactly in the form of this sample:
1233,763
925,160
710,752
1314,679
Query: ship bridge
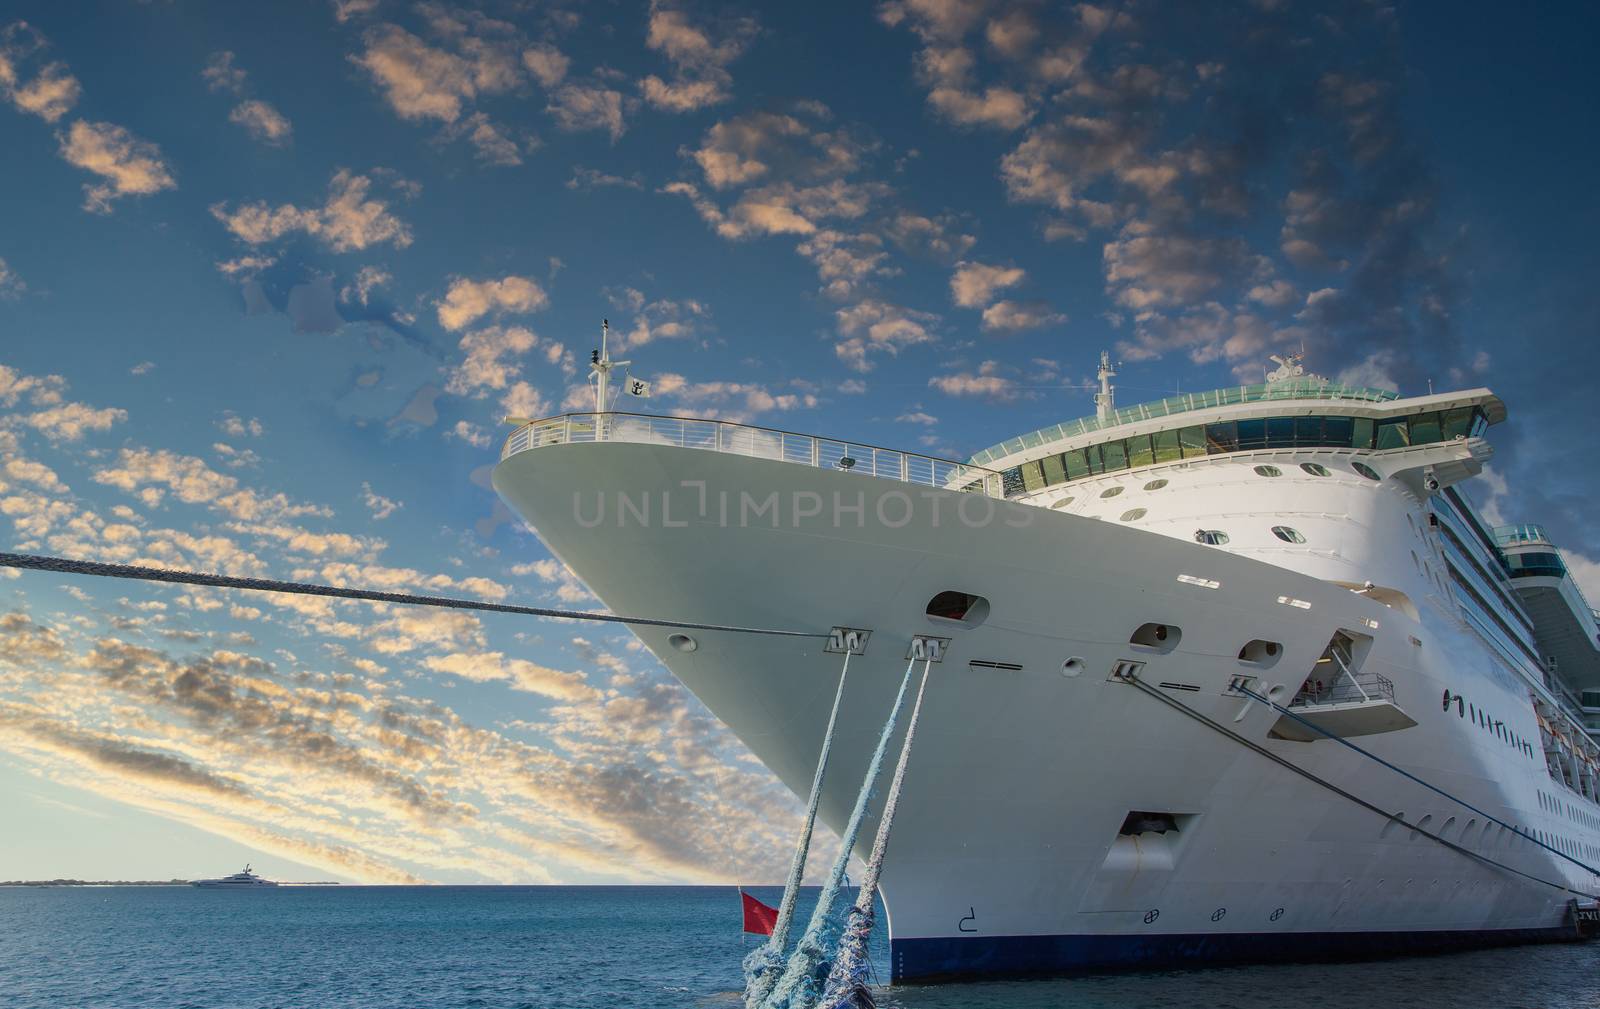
1564,624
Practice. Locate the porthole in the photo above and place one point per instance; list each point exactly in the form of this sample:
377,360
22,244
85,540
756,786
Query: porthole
1161,638
1156,484
1288,535
1366,471
1133,514
1268,471
1063,502
960,607
683,643
1260,653
1210,537
1072,667
1111,492
1316,469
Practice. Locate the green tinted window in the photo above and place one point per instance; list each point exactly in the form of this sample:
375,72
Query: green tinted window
1077,464
1361,432
1308,430
1193,440
1425,429
1280,432
1167,449
1011,481
1252,434
1457,423
1032,478
1222,437
1139,451
1096,464
1336,431
1054,471
1116,455
1392,434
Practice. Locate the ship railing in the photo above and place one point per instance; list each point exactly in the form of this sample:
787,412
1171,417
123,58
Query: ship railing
1347,688
756,442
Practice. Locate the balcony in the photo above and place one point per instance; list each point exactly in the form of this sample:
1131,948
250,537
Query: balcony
754,442
1361,704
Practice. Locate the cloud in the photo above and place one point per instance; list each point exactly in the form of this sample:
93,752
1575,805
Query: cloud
986,383
873,326
974,284
237,426
491,360
591,178
845,262
129,165
1155,271
1011,316
191,481
420,81
579,107
350,220
470,300
700,76
262,122
490,145
651,320
220,73
51,93
11,285
70,421
546,63
484,667
380,506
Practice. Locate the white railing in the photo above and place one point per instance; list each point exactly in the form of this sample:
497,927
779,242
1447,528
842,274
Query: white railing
758,442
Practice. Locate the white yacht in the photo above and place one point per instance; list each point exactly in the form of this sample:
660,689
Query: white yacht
1233,676
243,878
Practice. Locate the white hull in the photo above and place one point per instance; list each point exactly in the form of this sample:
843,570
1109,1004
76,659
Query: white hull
1005,854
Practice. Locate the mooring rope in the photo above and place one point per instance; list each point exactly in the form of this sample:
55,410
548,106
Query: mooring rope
1407,774
847,986
1394,818
68,566
803,976
764,964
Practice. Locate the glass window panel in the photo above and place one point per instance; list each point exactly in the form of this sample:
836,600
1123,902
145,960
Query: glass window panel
1222,437
1096,465
1457,423
1280,432
1308,431
1011,481
1032,478
1425,429
1166,443
1077,464
1480,423
1193,440
1252,434
1139,451
1054,471
1115,454
1393,434
1361,432
1336,431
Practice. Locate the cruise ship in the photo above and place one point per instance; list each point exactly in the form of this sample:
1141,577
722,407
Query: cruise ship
1235,676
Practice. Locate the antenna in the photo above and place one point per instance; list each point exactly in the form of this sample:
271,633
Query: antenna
1104,401
600,365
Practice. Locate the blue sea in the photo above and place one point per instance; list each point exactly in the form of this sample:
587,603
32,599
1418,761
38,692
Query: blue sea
559,947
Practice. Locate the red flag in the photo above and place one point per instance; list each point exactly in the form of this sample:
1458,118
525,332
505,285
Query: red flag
758,917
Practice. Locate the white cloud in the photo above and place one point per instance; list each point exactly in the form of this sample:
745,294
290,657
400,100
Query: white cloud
220,74
1011,316
874,326
520,674
70,421
470,433
973,285
491,360
577,107
380,506
986,383
996,106
130,166
262,121
237,426
349,221
423,82
50,95
469,300
700,76
11,285
546,63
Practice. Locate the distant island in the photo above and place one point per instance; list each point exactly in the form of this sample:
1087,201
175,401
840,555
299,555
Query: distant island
94,882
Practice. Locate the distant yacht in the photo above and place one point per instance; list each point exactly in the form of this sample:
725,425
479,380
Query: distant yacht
245,878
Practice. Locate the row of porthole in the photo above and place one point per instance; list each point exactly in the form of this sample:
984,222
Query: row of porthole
1484,721
1560,806
1163,638
1313,468
1217,538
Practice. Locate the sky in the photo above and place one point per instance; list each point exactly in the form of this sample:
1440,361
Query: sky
271,276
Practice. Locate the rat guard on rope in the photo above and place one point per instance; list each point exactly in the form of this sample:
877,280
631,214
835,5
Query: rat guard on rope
764,964
801,983
847,981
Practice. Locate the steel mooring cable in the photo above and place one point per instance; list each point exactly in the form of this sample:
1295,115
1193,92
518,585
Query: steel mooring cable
69,566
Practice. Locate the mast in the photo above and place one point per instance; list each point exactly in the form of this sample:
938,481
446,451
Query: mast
1104,402
600,365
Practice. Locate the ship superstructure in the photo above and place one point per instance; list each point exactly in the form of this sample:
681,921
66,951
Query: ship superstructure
1233,675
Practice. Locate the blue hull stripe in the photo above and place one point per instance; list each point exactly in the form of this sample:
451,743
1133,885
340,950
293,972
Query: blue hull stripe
916,960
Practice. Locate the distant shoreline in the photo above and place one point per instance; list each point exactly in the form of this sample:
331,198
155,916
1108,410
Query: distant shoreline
95,882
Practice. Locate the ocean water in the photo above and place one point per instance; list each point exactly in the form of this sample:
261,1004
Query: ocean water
590,947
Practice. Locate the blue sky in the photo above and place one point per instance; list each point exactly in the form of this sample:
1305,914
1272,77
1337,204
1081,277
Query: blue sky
270,276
